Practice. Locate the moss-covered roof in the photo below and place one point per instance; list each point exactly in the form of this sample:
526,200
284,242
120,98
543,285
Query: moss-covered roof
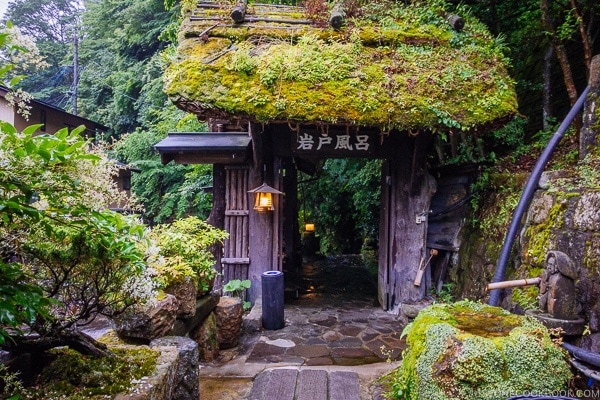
391,65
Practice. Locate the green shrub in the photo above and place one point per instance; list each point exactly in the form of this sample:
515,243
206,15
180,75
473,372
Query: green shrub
181,251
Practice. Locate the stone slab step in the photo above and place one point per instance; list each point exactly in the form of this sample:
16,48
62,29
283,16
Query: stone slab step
306,384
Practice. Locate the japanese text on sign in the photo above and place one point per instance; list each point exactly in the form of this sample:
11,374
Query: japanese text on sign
307,141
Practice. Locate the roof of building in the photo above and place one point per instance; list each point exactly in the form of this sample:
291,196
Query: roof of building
391,64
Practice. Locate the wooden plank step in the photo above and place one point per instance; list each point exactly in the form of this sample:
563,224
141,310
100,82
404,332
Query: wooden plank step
343,385
312,385
291,384
277,384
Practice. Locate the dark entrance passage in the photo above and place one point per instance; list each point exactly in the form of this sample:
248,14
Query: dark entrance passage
333,280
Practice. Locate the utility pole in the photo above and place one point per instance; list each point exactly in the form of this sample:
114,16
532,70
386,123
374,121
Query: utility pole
75,69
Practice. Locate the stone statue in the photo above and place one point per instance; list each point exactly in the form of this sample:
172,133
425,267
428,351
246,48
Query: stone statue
558,296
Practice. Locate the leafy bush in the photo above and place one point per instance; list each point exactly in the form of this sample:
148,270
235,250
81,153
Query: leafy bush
181,250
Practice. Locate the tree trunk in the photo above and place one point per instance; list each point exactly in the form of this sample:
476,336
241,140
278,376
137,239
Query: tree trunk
547,89
560,50
589,132
587,51
260,240
76,340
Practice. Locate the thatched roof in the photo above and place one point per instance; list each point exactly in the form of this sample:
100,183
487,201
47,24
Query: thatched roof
391,65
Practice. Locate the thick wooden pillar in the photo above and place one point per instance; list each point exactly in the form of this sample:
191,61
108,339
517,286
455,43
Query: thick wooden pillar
410,189
262,235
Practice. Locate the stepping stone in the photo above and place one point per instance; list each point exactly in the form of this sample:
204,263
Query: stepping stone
343,385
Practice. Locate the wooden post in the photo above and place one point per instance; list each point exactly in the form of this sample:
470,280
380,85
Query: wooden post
260,240
217,216
239,11
337,16
456,21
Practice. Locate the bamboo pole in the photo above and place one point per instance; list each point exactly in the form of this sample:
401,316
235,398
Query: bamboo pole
515,283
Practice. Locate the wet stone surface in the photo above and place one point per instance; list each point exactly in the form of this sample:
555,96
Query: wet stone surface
335,320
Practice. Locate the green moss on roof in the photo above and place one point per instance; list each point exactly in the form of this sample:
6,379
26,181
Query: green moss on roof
396,66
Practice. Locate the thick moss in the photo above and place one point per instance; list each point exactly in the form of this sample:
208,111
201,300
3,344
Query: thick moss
73,376
468,350
402,68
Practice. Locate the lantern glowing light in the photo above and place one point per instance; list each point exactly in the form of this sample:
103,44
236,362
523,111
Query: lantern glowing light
264,197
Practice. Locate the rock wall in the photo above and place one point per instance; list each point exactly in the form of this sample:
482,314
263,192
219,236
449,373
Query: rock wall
563,216
568,222
176,374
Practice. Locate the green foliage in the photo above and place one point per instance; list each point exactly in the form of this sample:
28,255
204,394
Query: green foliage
10,383
121,85
52,24
77,258
20,301
182,252
92,261
238,288
445,294
469,350
166,191
347,218
526,298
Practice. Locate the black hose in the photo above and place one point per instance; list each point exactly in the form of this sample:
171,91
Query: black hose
527,195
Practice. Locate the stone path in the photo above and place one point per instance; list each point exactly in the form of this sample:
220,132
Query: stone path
335,338
353,333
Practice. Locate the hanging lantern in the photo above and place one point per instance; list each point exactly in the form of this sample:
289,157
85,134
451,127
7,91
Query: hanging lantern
264,197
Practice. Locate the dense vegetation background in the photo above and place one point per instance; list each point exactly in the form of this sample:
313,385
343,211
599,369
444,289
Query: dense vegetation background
105,62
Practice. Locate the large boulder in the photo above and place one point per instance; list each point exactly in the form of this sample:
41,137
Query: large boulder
469,350
149,322
185,290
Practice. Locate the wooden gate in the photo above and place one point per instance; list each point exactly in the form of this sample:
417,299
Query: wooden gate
235,259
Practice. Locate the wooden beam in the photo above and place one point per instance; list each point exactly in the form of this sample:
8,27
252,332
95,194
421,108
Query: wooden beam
337,16
239,11
456,21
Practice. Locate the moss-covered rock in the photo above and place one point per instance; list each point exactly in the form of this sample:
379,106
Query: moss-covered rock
469,350
394,65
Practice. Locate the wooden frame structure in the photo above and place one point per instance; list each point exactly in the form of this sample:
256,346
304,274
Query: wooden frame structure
239,67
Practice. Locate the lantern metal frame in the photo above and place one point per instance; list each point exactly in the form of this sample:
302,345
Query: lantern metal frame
263,200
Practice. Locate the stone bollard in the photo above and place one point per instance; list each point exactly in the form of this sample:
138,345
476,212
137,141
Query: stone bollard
229,321
186,383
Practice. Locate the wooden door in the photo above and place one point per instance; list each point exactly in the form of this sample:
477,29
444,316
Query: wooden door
235,259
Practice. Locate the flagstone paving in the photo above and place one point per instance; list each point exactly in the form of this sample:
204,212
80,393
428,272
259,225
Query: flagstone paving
333,325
